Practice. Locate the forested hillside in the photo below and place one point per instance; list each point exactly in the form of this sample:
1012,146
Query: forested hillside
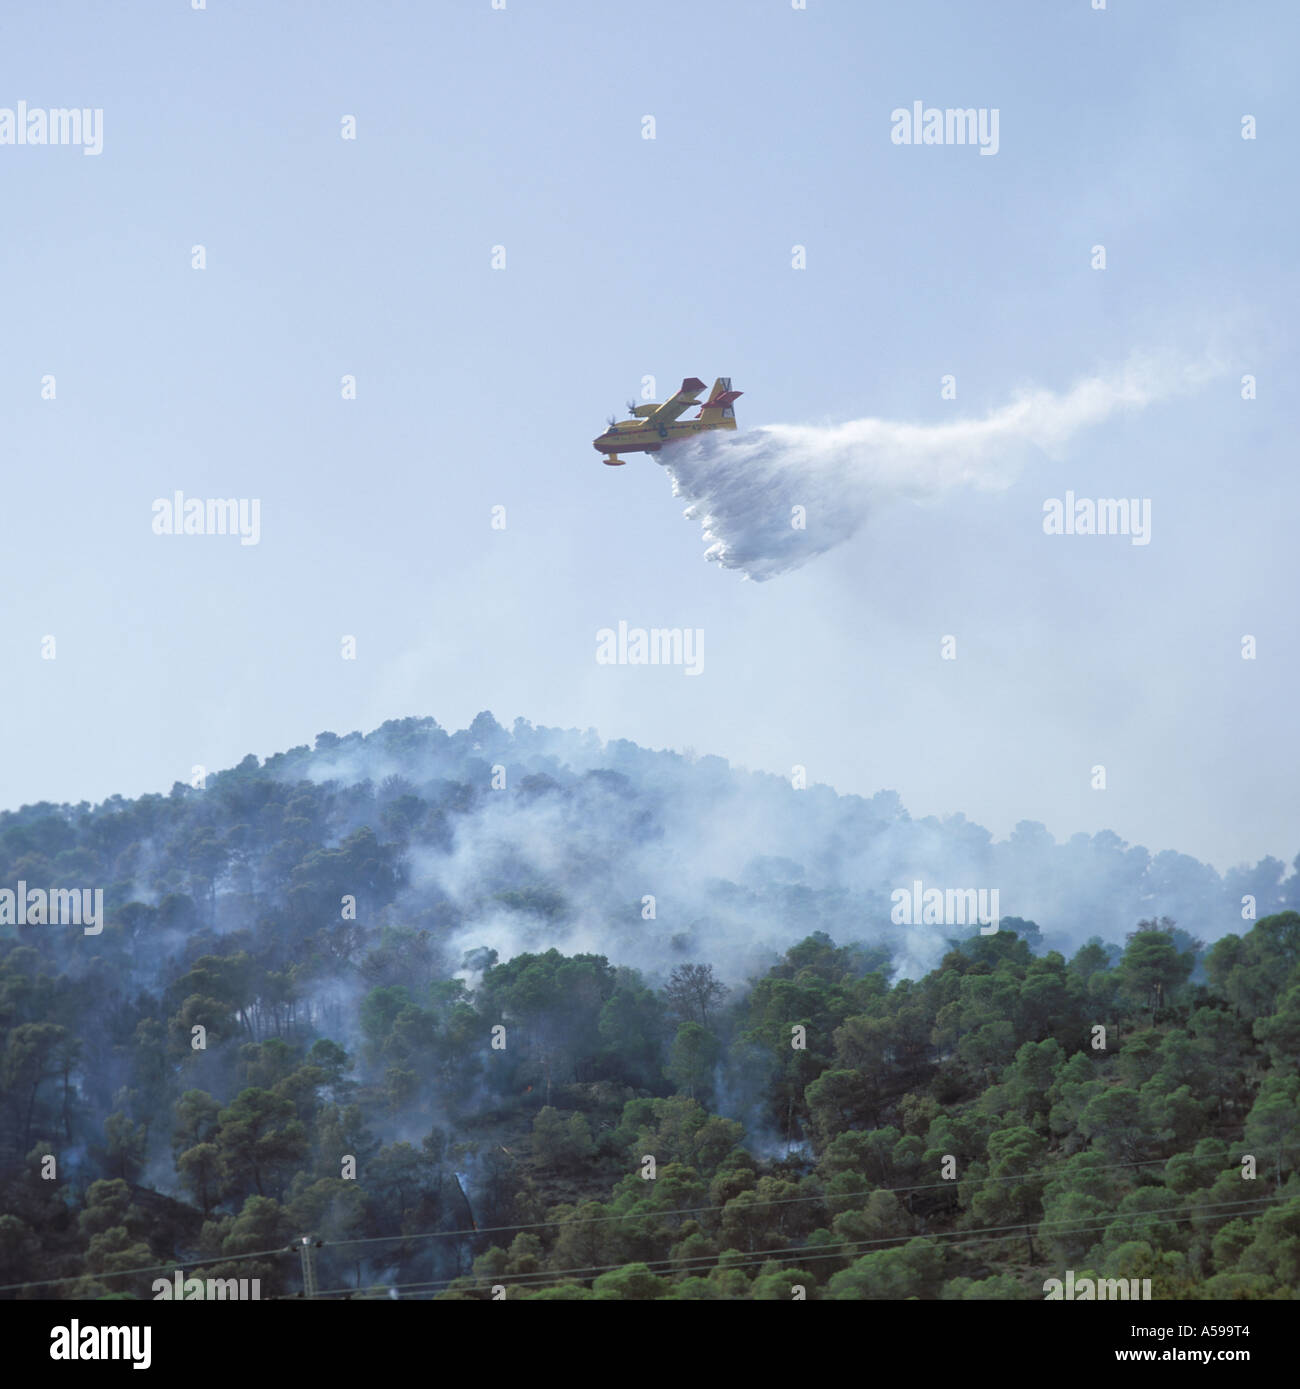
523,1010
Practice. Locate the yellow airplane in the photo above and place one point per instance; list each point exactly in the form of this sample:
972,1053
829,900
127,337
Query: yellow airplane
652,426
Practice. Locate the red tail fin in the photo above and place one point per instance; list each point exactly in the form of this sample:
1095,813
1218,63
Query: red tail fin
720,401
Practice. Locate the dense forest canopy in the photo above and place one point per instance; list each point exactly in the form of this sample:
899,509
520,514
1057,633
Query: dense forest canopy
524,1010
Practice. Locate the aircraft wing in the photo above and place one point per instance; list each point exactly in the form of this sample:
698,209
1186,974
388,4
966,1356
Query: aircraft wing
679,404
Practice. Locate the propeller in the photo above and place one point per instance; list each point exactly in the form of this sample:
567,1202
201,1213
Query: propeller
611,421
631,407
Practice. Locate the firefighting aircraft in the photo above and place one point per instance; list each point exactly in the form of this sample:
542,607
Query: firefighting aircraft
652,426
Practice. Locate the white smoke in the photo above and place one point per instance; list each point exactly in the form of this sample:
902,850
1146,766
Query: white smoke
744,487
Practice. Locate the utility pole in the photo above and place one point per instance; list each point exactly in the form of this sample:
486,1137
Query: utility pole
308,1267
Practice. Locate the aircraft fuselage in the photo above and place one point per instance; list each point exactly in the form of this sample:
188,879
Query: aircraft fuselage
631,436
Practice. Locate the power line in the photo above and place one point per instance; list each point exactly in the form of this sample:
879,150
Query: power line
546,1277
785,1258
957,1237
827,1197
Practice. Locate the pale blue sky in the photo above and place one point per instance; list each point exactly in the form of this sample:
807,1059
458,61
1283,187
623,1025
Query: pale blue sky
670,257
